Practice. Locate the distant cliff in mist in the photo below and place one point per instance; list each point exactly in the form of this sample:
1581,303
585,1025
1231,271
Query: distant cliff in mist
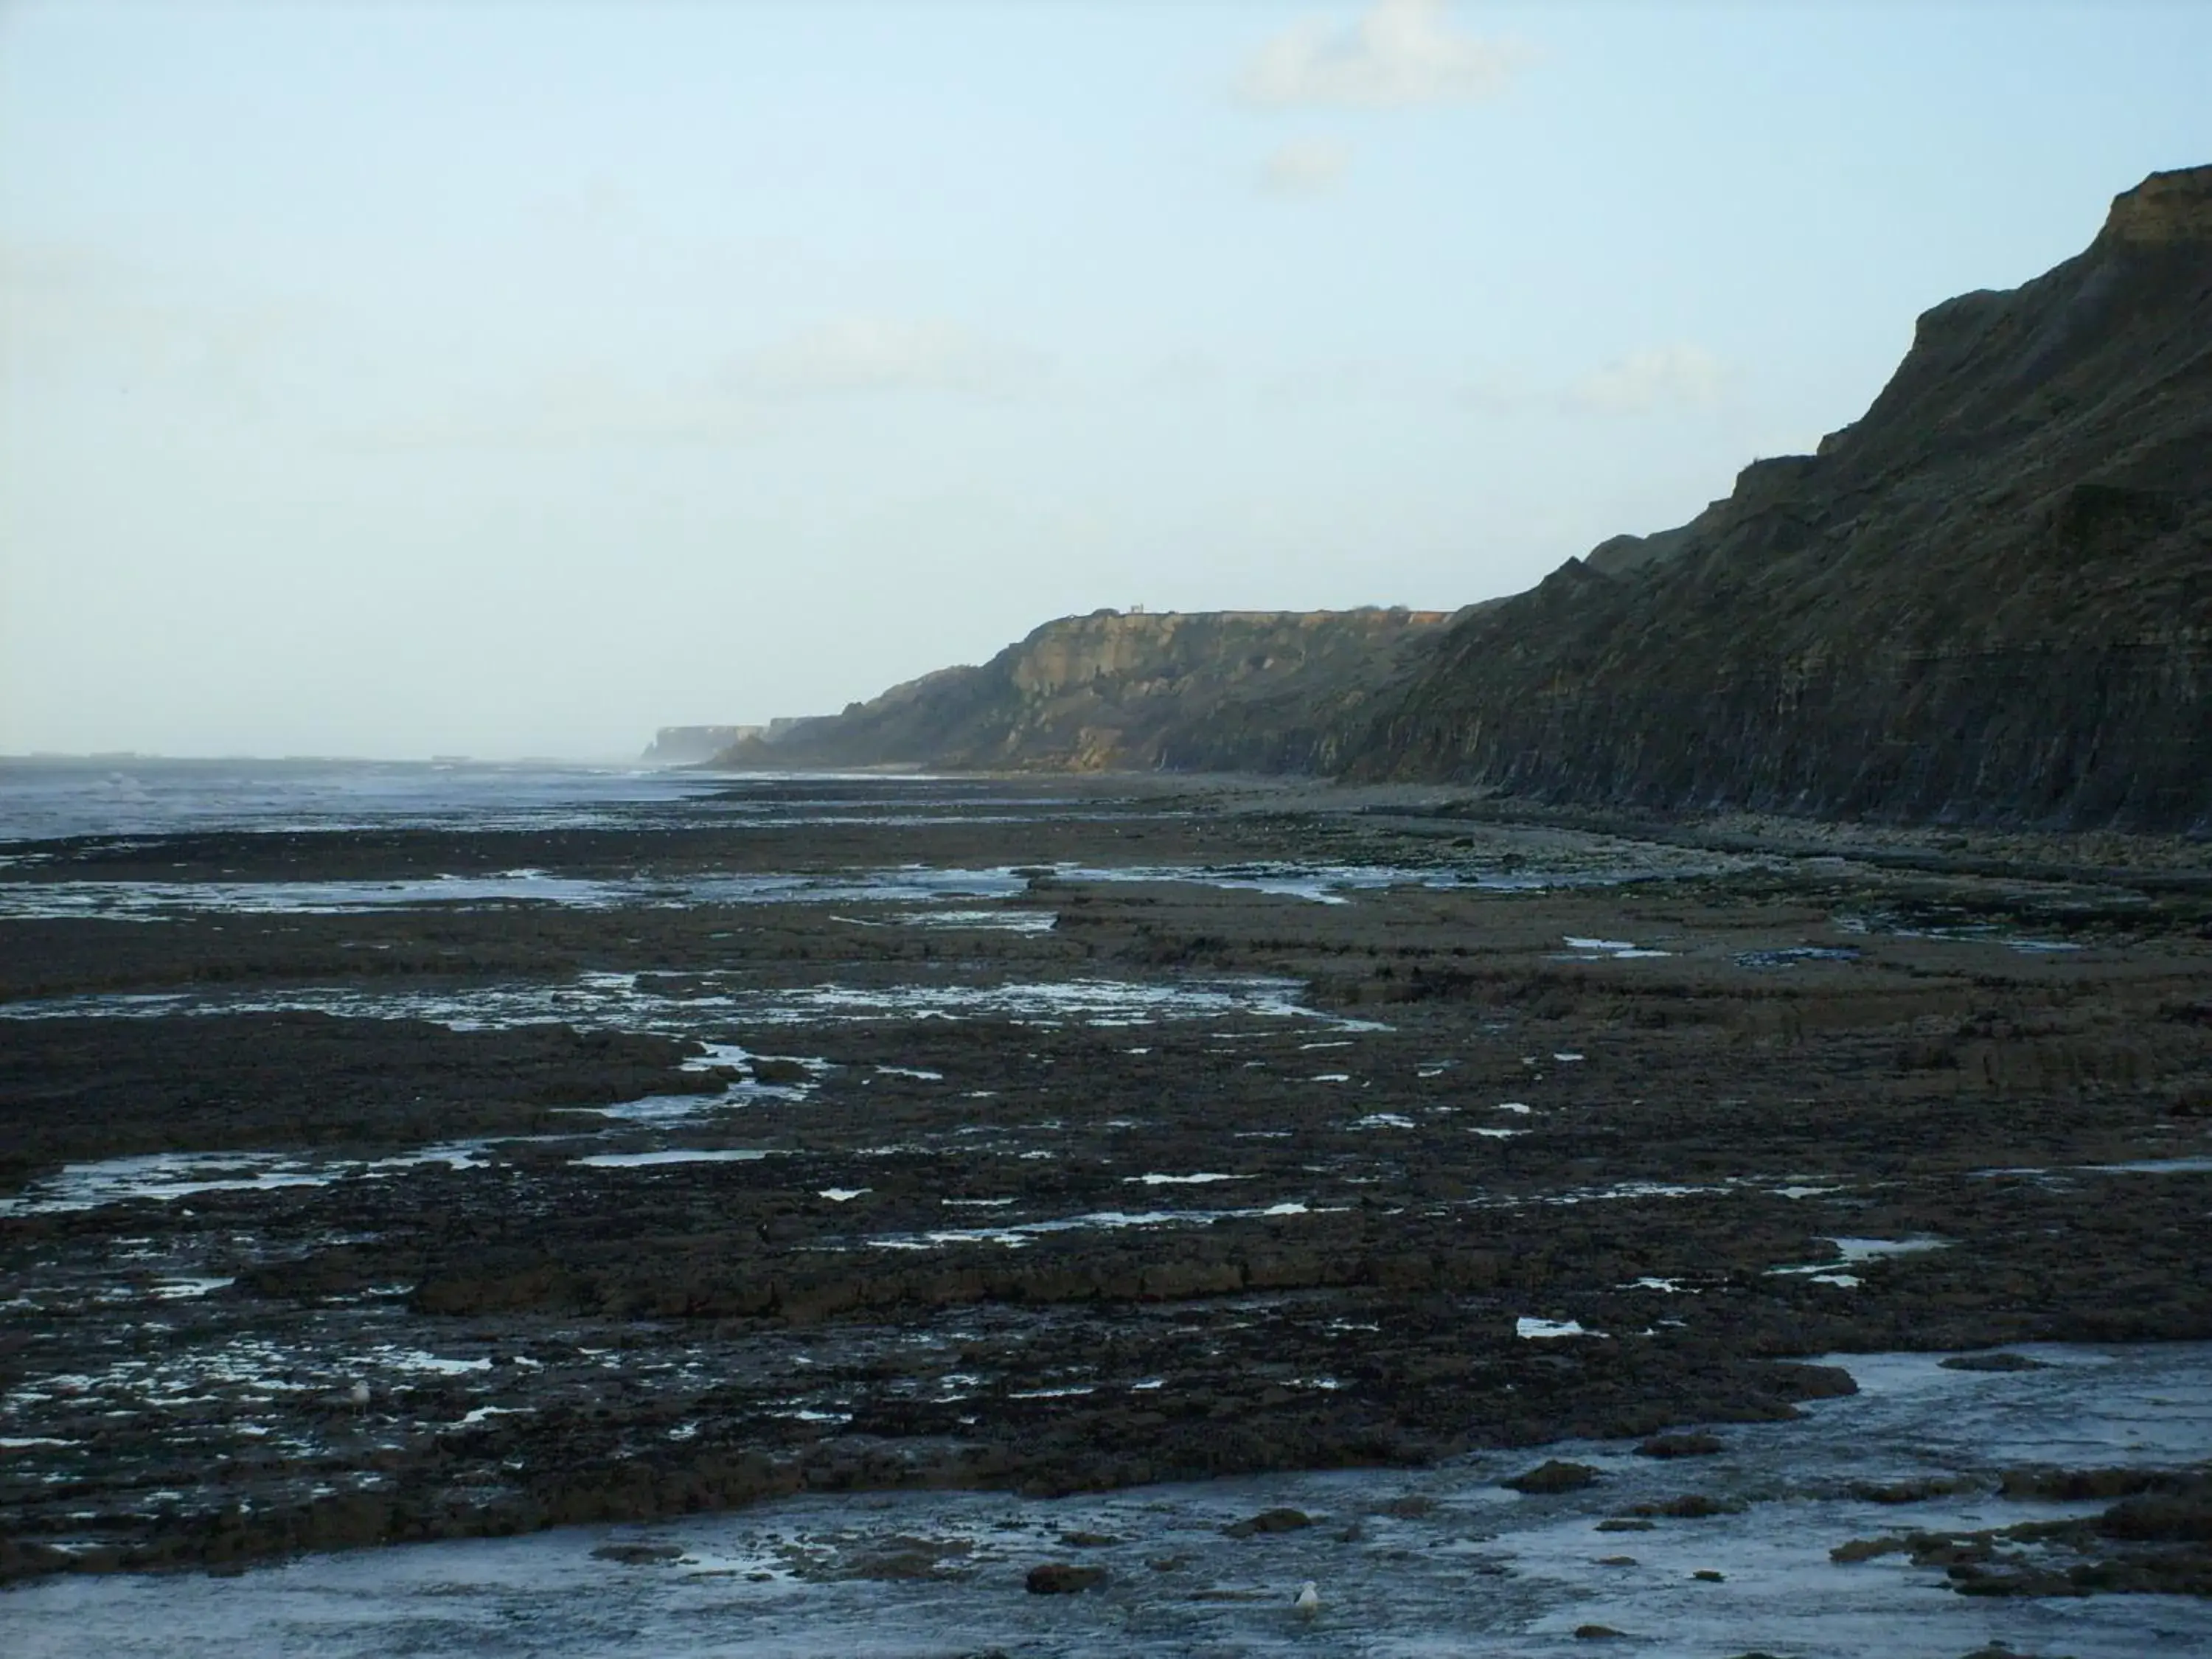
1226,691
688,746
1987,600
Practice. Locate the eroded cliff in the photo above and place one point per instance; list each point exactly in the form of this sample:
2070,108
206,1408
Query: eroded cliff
1257,690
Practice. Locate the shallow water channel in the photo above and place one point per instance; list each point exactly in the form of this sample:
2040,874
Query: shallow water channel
1431,1562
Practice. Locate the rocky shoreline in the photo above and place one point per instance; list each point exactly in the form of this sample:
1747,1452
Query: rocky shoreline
1050,1136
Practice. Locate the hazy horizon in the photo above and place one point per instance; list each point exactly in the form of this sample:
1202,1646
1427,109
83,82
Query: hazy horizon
390,382
106,757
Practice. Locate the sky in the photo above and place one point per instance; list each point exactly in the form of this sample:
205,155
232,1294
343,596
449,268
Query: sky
505,380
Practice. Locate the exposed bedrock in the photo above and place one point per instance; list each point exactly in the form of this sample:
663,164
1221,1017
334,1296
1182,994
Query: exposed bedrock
1251,690
1554,1136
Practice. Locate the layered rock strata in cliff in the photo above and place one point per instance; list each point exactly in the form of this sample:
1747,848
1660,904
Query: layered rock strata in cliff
1255,690
1989,599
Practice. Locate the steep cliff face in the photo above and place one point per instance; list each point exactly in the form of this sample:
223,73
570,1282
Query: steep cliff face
1253,691
1989,599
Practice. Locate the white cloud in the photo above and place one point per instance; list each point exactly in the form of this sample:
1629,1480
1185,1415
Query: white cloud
1401,52
1653,378
1304,166
876,354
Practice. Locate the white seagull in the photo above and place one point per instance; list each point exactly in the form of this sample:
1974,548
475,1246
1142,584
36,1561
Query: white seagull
1307,1605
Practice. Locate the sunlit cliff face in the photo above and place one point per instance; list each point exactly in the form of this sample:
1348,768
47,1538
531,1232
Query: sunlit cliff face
1109,645
2166,207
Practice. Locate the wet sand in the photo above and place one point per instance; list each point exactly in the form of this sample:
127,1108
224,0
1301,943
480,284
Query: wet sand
1034,1137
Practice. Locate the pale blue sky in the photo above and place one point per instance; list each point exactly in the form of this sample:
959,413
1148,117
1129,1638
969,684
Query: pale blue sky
498,380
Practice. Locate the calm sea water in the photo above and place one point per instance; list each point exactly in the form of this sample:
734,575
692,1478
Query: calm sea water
42,798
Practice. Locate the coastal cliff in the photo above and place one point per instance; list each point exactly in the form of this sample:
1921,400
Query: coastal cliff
1253,691
1989,599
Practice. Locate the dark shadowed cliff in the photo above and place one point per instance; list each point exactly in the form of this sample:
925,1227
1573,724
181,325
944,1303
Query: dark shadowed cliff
1255,690
1989,599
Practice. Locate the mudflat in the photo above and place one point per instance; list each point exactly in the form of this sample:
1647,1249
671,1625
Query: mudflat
404,1181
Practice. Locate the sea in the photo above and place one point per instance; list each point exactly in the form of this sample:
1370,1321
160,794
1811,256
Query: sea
43,797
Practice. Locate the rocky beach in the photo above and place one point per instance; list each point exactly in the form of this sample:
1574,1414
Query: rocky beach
1365,827
499,1153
